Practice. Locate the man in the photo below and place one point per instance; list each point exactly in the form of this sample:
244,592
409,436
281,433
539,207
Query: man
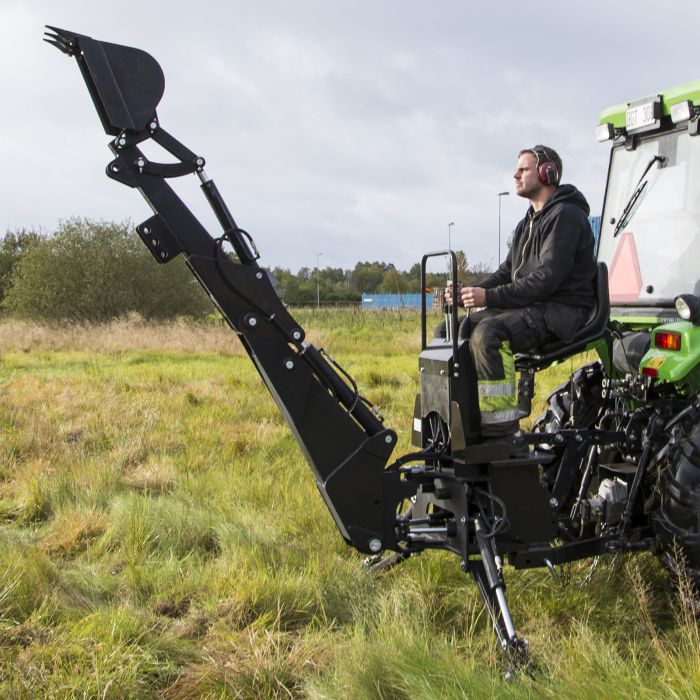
543,290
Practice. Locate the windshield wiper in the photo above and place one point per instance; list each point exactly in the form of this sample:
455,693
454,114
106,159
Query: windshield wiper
629,207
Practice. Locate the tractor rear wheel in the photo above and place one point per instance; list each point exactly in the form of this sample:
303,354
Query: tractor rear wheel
678,521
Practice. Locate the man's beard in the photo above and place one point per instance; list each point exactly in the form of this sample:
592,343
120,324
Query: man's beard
531,192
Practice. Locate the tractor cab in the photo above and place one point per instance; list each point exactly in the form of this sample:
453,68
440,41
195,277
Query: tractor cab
650,228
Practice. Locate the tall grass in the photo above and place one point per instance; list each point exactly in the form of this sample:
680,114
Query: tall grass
161,536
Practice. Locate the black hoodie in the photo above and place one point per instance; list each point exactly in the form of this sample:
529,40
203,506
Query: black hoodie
551,262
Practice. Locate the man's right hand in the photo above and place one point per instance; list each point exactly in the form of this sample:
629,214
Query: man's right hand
448,293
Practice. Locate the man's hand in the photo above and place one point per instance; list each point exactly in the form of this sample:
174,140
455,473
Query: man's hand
448,292
473,297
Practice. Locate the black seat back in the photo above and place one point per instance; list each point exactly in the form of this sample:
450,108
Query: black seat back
593,329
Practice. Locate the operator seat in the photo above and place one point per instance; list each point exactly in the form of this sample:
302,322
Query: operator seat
594,328
540,358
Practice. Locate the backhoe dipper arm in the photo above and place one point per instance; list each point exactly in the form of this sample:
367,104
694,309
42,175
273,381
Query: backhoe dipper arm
340,435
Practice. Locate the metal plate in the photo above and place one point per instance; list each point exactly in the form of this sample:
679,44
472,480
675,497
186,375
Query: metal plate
643,115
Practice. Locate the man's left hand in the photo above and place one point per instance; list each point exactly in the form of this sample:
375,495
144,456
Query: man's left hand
473,297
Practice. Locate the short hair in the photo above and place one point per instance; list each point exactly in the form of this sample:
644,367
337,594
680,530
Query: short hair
545,153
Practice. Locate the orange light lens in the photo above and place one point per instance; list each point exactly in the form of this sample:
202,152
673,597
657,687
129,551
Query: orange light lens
667,340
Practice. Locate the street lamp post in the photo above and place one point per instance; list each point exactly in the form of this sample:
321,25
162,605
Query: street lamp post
449,235
500,194
318,280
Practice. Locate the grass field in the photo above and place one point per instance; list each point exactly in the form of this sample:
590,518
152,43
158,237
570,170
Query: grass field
162,537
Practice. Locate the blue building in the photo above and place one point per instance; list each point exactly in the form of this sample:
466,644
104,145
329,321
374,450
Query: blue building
594,221
394,301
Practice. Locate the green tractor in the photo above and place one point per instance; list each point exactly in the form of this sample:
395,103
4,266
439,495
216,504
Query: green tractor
650,242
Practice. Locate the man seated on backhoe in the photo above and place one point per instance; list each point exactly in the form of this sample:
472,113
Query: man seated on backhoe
542,292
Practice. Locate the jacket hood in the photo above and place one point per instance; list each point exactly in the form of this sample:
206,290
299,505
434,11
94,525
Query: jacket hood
568,194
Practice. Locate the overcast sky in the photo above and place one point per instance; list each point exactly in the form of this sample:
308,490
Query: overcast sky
356,129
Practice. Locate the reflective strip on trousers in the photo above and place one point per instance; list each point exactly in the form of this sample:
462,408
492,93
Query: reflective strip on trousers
489,390
498,401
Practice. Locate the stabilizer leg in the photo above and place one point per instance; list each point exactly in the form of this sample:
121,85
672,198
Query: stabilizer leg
379,563
487,574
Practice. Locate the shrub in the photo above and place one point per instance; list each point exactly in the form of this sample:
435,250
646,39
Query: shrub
12,246
97,271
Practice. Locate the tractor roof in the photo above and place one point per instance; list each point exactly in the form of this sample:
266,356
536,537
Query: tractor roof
687,91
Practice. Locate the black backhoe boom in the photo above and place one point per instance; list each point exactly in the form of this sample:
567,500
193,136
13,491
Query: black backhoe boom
339,432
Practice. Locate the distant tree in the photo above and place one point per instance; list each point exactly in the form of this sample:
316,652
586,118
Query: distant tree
305,274
334,275
462,265
413,277
12,247
287,283
96,271
432,279
435,279
479,272
368,276
394,282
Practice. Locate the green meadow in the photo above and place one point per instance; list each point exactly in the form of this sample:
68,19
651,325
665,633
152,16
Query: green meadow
162,537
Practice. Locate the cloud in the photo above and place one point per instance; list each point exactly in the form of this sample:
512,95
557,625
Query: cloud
359,129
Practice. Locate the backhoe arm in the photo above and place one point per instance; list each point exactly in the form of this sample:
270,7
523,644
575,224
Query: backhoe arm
340,434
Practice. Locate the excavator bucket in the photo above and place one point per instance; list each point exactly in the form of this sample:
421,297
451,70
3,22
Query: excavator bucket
126,84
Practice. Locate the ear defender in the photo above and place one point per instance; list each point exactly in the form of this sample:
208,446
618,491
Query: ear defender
549,175
546,168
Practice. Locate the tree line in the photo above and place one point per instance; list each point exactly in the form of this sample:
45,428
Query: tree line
90,270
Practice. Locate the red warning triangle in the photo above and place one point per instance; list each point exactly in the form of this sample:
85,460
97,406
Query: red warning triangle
625,278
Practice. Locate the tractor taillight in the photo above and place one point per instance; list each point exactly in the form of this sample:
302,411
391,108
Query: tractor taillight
668,340
650,371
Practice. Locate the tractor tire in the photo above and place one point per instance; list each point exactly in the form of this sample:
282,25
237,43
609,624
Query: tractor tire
557,413
575,403
555,417
677,522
